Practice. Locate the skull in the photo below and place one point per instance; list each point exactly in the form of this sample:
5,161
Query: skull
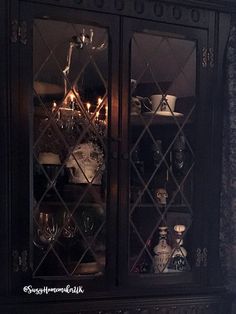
135,106
162,196
86,164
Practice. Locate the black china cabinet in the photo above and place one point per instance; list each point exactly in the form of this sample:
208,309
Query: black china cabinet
111,136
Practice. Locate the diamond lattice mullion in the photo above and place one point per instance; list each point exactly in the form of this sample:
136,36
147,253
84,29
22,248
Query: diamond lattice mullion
181,128
138,80
69,85
168,168
148,62
51,54
39,30
51,118
171,202
155,81
144,130
44,258
51,185
181,67
143,184
144,244
56,128
144,249
179,189
90,126
146,184
65,207
99,136
42,65
60,133
84,174
92,61
49,249
77,204
94,237
60,261
99,73
89,244
53,181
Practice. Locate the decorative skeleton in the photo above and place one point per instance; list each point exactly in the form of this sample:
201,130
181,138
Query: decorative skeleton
86,164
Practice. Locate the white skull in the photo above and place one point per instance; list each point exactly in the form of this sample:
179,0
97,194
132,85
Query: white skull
162,196
86,164
135,106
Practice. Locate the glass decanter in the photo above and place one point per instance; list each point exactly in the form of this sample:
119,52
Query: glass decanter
162,252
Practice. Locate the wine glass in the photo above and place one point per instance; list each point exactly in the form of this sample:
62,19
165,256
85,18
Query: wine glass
48,228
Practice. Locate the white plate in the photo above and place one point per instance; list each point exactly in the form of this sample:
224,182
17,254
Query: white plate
165,113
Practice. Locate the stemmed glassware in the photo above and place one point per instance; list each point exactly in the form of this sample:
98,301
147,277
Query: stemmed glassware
48,228
70,228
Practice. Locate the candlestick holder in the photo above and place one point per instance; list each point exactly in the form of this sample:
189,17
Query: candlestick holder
179,262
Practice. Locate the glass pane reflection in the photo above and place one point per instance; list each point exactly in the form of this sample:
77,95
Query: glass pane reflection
162,109
69,168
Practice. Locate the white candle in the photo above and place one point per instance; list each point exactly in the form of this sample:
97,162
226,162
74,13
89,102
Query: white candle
99,101
54,105
41,219
88,106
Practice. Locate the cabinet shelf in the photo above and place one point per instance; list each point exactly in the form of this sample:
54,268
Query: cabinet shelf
171,207
144,119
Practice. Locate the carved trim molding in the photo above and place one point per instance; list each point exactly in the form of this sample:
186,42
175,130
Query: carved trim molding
152,10
171,309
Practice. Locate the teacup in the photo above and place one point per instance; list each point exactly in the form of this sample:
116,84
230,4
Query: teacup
163,103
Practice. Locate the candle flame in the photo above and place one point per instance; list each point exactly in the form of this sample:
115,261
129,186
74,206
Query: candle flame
54,105
99,100
88,106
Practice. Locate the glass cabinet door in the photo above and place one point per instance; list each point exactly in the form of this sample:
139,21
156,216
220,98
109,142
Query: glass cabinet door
65,112
70,108
163,125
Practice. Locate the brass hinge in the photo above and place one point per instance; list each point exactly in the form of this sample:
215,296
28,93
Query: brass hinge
208,57
19,32
19,261
201,257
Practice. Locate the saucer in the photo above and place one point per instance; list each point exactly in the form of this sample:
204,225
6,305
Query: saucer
169,114
165,113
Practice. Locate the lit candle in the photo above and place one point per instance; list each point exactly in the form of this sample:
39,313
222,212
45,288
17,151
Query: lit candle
41,219
59,114
54,105
106,114
97,115
88,106
179,229
99,101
